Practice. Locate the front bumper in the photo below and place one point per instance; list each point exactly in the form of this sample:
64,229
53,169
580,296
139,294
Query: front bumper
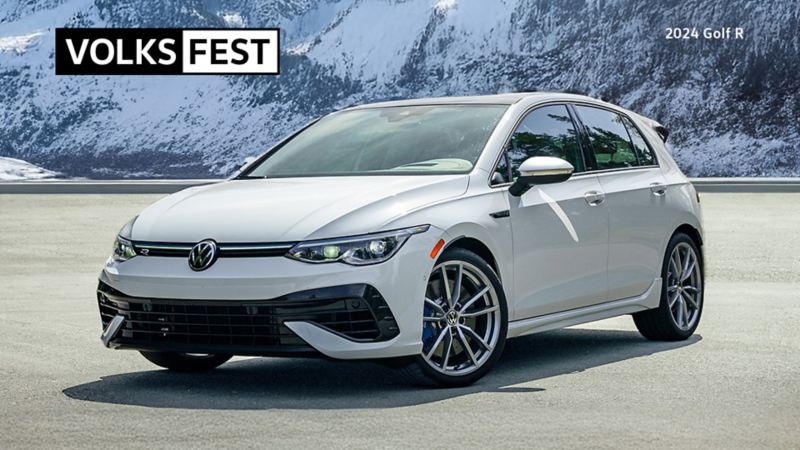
355,312
270,305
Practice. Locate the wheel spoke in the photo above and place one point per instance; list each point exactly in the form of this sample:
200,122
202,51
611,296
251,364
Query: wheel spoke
481,312
679,314
676,260
672,288
432,319
685,308
457,286
434,305
474,299
673,271
448,348
466,346
674,299
690,299
691,289
688,268
436,344
446,284
475,336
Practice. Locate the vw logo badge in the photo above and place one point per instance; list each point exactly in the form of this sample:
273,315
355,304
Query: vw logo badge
203,255
452,317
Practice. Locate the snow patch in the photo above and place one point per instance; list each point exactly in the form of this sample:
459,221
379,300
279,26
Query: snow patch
299,49
12,169
17,44
234,20
442,6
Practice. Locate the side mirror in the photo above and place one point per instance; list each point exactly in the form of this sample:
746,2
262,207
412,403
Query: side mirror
540,170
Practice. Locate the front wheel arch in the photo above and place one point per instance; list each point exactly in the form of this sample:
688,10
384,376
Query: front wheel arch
479,248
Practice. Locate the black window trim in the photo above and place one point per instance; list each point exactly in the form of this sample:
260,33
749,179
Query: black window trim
644,138
575,123
595,168
245,174
588,155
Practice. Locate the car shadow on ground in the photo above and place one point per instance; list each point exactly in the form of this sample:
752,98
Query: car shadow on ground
275,383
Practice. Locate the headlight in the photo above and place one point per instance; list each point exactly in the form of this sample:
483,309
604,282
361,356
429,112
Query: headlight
356,250
123,249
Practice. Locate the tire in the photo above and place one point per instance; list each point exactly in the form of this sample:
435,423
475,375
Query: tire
472,325
678,313
185,362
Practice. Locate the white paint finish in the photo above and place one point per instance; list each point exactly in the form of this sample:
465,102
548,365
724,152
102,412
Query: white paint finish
479,225
545,165
552,270
334,346
647,300
561,215
555,253
291,209
401,280
639,221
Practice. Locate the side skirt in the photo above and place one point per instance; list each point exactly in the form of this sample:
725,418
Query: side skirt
648,300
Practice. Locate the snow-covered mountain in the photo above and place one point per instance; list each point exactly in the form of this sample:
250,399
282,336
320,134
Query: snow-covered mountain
15,170
732,106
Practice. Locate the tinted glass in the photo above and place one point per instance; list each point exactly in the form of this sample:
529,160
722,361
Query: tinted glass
500,174
608,138
644,153
397,140
545,131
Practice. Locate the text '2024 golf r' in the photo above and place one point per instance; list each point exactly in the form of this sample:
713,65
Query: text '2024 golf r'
422,232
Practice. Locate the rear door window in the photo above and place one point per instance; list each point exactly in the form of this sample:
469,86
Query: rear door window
608,138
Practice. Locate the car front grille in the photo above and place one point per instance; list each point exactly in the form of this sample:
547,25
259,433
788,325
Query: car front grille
357,312
226,250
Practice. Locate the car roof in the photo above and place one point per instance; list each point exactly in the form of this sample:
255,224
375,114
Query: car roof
510,99
496,99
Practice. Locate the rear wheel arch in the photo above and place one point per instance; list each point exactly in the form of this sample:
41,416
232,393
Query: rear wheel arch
693,233
682,292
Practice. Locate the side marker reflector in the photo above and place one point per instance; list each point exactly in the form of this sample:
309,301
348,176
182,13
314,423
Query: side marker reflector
437,248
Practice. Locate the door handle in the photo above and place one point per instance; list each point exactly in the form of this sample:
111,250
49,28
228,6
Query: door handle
658,189
594,198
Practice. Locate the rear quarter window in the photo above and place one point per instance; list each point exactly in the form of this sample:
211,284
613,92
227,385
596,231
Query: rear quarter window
643,151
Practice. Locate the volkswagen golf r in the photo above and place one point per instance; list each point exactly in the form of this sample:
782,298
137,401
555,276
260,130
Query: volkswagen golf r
422,232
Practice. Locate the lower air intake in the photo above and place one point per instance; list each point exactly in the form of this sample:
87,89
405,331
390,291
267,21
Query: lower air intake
357,312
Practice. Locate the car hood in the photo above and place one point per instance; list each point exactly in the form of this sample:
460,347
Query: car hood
291,209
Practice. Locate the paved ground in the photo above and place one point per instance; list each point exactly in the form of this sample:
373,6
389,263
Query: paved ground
735,384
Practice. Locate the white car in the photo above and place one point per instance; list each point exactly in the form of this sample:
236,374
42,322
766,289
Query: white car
424,232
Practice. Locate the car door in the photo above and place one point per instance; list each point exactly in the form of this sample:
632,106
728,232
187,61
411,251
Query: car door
635,192
560,230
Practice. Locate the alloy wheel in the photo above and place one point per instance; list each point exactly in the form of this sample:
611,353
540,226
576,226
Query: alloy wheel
461,323
684,286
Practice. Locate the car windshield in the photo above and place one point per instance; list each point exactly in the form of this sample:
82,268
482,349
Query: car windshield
419,140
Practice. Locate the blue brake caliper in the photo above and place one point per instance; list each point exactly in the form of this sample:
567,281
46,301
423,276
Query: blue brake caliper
428,328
